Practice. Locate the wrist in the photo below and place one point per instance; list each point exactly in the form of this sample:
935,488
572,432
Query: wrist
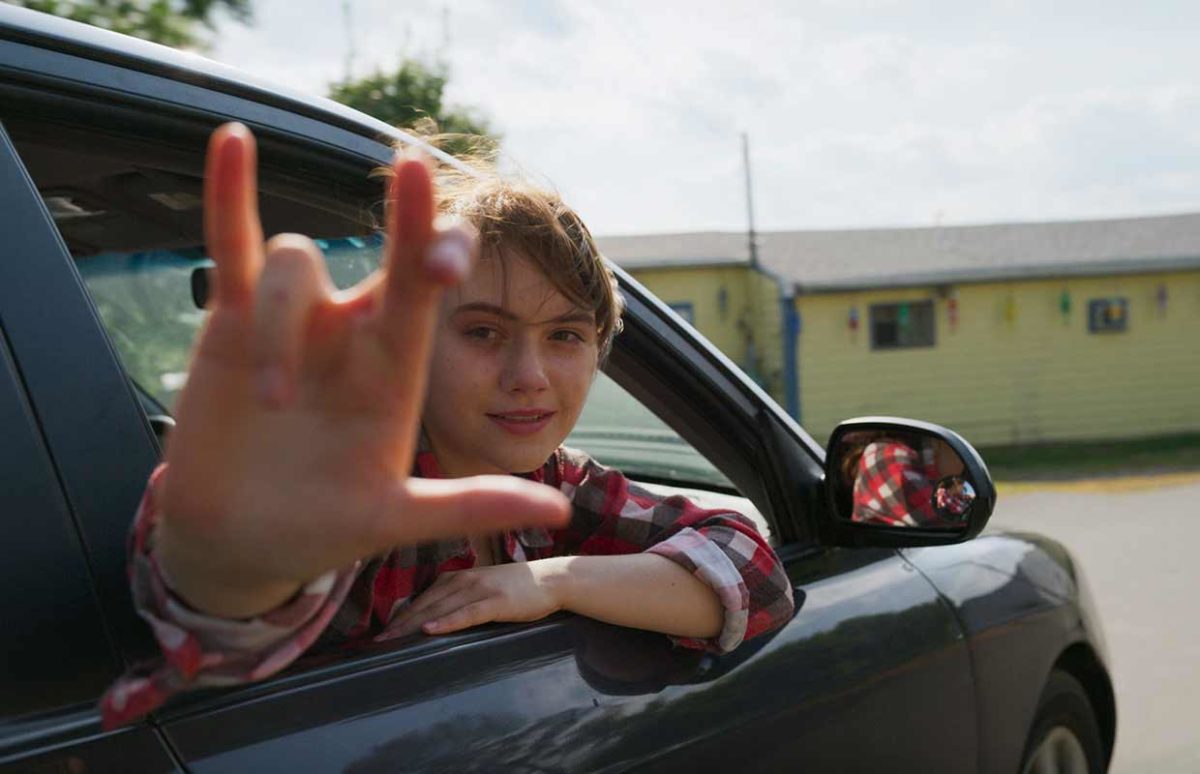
206,587
555,575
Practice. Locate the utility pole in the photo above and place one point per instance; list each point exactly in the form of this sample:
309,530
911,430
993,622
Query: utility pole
749,202
346,17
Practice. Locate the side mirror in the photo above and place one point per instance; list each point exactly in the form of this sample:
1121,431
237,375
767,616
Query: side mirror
900,482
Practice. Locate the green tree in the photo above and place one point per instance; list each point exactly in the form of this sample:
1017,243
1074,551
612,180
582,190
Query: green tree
170,22
413,94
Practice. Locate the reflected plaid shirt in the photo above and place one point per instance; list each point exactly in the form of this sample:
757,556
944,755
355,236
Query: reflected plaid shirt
611,516
894,486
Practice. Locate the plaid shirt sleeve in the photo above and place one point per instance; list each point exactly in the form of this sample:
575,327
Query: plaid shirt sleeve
894,487
200,651
722,548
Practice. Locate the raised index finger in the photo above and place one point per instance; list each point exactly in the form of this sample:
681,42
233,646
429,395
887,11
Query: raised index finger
232,229
416,274
410,292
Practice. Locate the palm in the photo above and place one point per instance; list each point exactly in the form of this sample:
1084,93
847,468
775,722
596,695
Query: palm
296,428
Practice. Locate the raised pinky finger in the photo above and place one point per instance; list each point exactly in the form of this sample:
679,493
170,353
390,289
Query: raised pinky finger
474,614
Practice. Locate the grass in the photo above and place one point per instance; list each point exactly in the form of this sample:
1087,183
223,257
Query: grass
1094,459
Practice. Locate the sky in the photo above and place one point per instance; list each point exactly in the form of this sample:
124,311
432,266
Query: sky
861,113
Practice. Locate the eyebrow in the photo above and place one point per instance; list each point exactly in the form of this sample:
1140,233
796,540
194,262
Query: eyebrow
499,311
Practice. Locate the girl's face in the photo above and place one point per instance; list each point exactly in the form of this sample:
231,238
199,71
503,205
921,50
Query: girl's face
512,364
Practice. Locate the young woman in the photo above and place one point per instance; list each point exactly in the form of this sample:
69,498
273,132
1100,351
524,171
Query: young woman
314,487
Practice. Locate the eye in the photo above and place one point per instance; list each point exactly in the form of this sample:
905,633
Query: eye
482,333
567,335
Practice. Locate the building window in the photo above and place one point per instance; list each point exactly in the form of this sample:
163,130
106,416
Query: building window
685,310
900,326
1108,315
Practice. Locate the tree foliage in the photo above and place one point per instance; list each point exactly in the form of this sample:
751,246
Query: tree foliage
414,94
170,22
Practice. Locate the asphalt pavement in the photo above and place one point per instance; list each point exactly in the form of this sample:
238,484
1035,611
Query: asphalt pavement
1138,541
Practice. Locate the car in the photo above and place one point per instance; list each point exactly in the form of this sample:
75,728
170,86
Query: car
919,648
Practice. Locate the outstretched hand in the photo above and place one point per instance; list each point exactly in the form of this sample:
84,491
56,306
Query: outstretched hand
297,426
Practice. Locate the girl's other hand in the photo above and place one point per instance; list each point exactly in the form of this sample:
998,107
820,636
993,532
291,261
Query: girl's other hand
524,591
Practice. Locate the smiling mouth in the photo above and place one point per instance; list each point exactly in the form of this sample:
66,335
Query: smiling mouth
526,422
524,417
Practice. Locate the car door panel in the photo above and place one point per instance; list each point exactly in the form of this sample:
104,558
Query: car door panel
871,674
872,671
101,444
57,655
74,743
482,701
56,652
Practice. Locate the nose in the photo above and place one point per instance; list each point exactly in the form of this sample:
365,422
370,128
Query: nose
525,369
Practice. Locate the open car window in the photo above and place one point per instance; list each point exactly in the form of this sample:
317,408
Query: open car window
130,213
620,432
145,300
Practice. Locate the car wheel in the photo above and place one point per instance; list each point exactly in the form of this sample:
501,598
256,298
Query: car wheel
1065,737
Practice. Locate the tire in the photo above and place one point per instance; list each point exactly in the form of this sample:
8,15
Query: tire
1066,737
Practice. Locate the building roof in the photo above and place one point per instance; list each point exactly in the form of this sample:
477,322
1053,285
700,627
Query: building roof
817,261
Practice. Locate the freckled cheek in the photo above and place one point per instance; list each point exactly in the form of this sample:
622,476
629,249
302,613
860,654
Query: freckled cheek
465,386
572,378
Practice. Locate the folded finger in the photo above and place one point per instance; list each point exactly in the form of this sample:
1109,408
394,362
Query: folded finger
293,282
472,614
443,587
416,619
232,230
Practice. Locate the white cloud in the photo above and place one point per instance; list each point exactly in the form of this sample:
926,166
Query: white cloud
865,113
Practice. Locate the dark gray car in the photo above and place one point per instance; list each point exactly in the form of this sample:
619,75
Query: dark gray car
912,648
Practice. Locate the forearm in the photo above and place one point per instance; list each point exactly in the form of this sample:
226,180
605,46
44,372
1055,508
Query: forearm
642,591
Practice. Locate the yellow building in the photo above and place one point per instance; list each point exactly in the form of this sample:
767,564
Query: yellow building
1008,333
707,278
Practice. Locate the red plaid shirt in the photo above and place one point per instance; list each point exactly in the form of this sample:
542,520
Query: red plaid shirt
894,486
610,516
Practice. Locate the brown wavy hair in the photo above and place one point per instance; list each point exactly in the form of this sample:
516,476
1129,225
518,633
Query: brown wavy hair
517,219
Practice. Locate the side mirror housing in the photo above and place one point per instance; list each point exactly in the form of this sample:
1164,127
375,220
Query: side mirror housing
897,482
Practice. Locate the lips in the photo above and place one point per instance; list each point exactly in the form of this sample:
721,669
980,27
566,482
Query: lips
522,421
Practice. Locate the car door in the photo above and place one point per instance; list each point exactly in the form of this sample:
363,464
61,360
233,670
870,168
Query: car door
58,654
871,670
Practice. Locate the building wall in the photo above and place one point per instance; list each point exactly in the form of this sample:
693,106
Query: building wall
766,319
1015,368
736,308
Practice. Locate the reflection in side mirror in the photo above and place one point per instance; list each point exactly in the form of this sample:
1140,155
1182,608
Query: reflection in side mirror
885,474
952,498
903,479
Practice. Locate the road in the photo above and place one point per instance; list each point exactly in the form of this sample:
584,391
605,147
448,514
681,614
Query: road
1139,544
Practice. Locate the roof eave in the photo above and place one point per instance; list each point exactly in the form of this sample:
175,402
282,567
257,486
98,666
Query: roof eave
1001,274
